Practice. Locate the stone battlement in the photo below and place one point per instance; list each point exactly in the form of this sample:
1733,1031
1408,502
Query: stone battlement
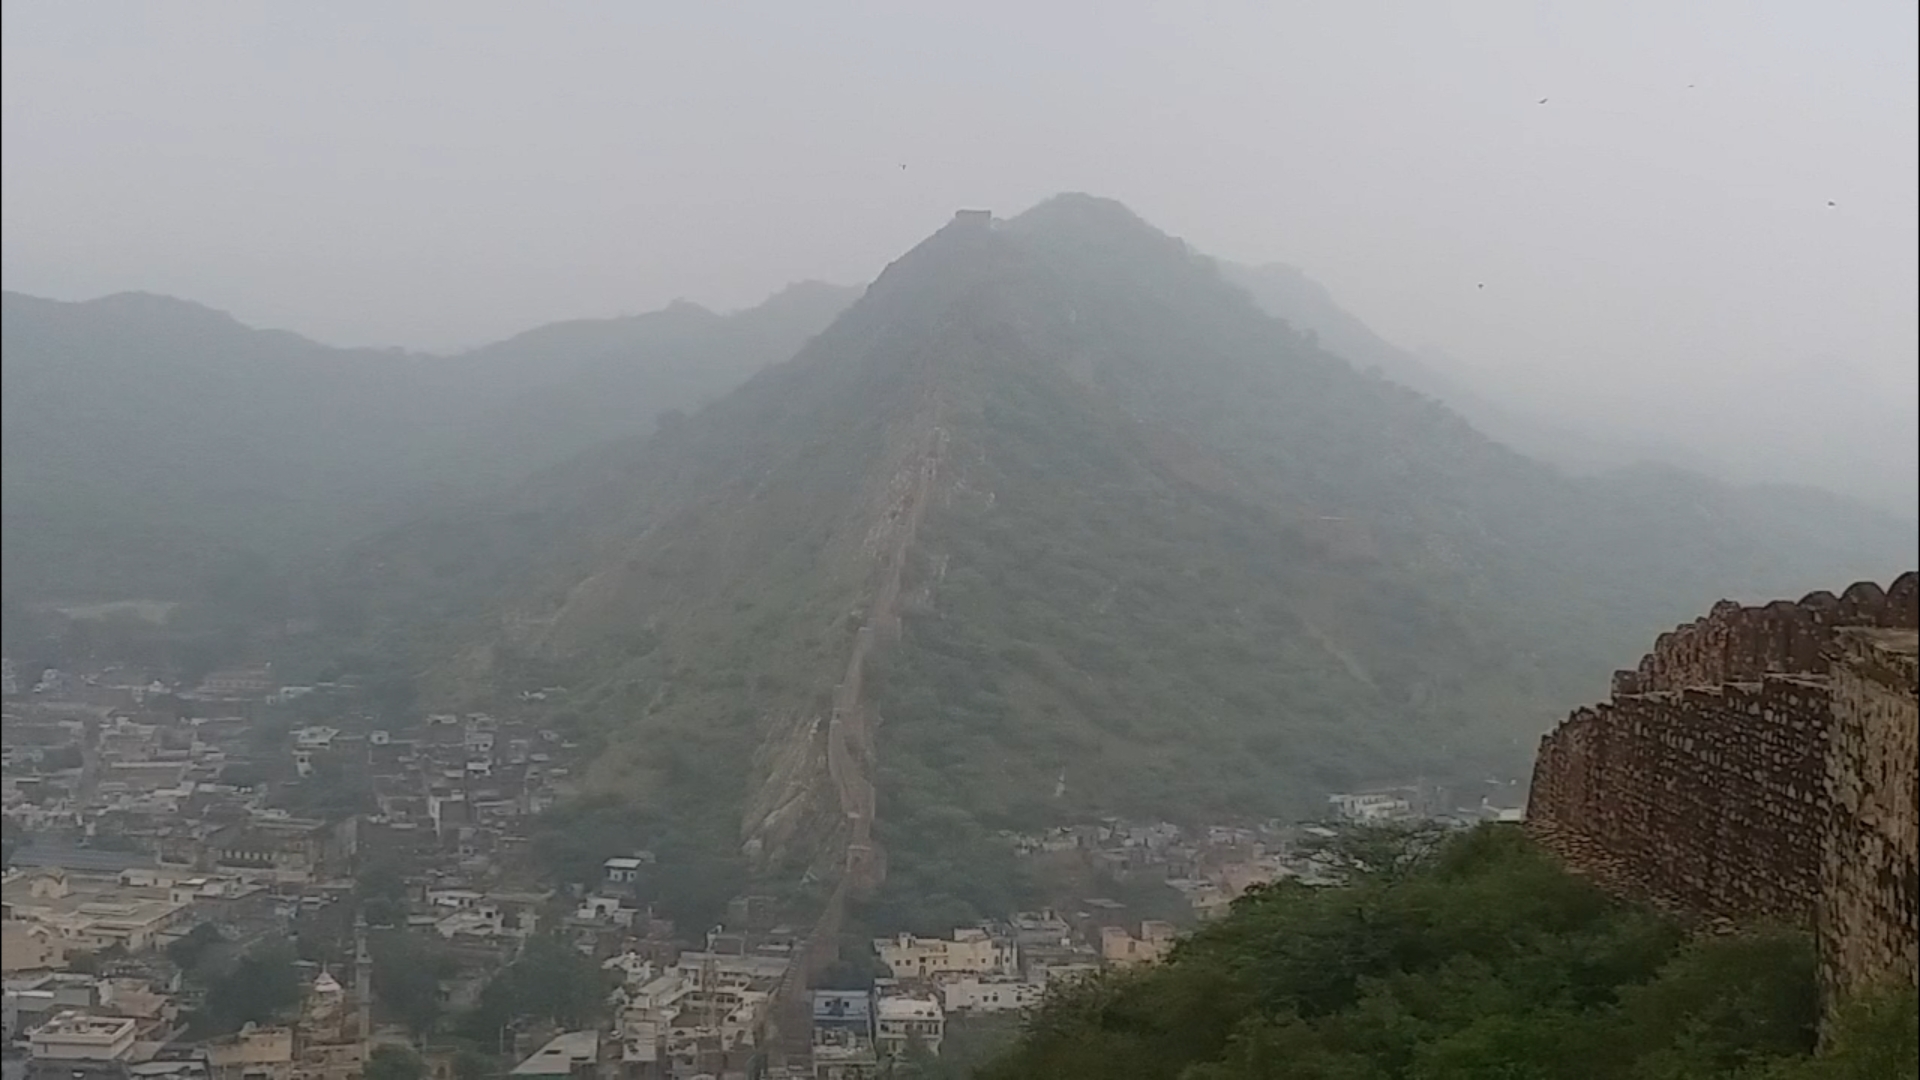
1759,764
1737,643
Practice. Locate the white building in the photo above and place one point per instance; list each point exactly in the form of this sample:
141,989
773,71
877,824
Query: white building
1370,806
622,870
902,1020
75,1036
566,1054
315,737
995,994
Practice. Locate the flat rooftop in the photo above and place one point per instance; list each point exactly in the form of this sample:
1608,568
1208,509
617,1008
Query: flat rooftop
561,1054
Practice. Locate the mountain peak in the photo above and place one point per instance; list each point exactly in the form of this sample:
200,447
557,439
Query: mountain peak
152,305
153,309
1080,208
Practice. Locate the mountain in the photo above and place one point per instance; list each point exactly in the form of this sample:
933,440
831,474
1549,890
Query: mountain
1856,467
1055,521
1287,293
150,441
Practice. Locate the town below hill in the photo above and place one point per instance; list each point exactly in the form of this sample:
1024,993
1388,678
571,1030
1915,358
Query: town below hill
285,878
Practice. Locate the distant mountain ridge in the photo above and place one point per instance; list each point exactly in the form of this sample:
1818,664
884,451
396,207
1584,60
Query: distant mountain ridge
1288,293
147,439
1563,437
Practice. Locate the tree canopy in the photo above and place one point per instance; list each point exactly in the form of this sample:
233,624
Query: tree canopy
1478,958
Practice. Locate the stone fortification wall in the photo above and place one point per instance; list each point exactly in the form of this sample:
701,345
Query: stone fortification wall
1869,912
1759,763
1708,800
1736,643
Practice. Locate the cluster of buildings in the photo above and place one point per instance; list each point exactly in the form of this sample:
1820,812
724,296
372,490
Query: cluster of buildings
1213,865
137,811
238,774
126,1026
707,1010
1209,867
996,967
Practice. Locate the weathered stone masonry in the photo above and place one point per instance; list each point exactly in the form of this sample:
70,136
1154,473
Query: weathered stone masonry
1759,763
1869,909
1706,800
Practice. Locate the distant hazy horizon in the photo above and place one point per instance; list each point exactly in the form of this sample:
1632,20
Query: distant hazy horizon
1704,236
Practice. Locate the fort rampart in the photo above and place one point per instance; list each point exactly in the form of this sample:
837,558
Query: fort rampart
1760,763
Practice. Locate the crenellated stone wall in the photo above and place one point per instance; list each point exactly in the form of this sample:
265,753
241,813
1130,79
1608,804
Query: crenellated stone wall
1759,763
1736,643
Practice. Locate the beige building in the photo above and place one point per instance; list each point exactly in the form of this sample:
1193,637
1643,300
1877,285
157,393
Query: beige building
252,1053
94,913
328,1043
1122,949
28,946
76,1036
971,952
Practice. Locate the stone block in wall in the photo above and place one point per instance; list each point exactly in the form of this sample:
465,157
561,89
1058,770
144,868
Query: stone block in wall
1709,801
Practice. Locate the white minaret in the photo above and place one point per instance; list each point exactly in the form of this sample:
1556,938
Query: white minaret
363,983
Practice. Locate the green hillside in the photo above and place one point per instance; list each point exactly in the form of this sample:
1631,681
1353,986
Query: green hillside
1121,540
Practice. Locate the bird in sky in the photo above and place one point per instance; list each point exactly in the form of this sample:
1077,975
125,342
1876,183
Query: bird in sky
1482,285
1830,204
1542,101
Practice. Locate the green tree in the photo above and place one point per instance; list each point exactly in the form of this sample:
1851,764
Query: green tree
407,969
549,980
188,950
389,1062
471,1064
1476,956
1876,1036
380,886
261,985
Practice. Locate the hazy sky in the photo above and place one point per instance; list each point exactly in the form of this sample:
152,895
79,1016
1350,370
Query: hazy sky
1655,239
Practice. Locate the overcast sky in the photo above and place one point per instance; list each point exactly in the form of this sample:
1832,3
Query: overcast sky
1655,240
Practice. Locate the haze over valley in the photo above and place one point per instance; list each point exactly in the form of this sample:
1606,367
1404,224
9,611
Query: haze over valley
1078,512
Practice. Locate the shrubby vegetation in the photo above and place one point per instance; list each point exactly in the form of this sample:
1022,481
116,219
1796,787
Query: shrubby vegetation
696,869
389,1062
548,981
407,969
189,950
260,986
1480,959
